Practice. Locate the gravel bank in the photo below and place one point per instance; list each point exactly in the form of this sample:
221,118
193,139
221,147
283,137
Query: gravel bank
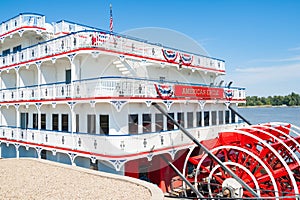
34,179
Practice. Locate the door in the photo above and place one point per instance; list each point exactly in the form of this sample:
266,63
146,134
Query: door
24,120
68,76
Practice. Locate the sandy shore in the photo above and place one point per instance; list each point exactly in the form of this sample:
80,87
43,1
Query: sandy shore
32,179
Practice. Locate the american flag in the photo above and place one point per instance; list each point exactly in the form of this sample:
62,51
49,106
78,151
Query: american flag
111,24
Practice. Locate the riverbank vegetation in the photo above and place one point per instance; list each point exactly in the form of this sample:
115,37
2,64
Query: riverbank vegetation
292,99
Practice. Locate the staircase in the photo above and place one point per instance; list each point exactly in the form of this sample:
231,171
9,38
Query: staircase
124,68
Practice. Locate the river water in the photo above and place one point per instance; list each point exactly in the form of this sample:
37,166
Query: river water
272,114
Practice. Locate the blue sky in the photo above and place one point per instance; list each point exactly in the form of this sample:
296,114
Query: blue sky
258,39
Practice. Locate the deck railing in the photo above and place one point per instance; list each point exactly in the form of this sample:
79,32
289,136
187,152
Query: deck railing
100,87
64,26
22,20
113,144
99,39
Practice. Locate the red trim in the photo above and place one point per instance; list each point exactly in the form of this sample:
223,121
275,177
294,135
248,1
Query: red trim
66,33
107,97
105,50
86,152
23,27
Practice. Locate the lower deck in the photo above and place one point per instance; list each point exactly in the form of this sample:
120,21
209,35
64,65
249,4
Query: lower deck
116,136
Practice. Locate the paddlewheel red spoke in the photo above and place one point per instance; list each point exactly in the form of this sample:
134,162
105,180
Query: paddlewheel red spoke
265,157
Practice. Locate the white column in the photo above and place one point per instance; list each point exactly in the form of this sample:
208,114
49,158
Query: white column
39,79
59,121
202,117
18,122
140,122
17,151
153,122
73,120
97,123
73,126
73,77
17,83
39,116
185,119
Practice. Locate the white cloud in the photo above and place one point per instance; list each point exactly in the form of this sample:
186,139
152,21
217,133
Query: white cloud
294,49
271,80
295,58
290,70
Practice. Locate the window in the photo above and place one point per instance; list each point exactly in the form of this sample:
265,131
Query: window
233,117
180,118
159,122
162,78
44,154
77,123
227,116
221,120
24,120
104,124
35,121
43,121
170,123
55,122
213,117
16,49
190,119
206,118
146,123
5,52
199,119
133,124
65,122
91,123
68,76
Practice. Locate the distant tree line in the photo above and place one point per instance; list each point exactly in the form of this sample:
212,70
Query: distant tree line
292,99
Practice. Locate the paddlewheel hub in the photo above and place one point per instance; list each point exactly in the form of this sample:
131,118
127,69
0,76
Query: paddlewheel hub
232,188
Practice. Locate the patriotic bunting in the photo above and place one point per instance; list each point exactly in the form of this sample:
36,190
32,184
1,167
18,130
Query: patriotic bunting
187,59
169,55
228,94
164,91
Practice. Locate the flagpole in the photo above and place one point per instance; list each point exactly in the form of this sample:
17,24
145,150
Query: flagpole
111,25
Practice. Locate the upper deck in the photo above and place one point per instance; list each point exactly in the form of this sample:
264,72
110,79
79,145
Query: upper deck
68,38
22,22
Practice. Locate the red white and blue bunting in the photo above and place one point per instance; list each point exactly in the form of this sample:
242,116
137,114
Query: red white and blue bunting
169,55
164,91
186,59
228,94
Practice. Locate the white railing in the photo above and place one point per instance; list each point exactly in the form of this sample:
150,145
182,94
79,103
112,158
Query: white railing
112,145
101,87
117,43
69,27
25,19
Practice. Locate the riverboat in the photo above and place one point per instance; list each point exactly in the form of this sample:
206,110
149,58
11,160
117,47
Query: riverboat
83,96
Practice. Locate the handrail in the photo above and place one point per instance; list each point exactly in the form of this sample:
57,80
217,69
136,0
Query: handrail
25,13
29,19
121,78
97,30
83,39
101,80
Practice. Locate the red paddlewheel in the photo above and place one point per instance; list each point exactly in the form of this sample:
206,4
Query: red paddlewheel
266,157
